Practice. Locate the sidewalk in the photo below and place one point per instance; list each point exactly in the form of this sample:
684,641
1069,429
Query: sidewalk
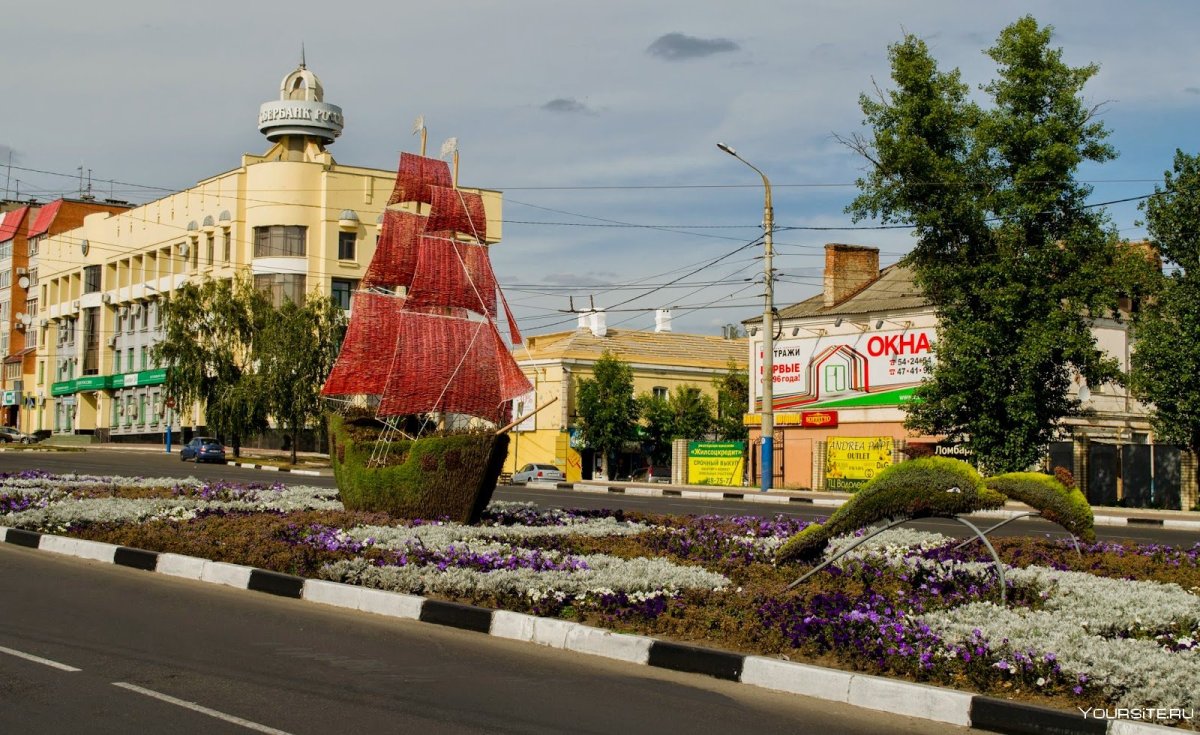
317,464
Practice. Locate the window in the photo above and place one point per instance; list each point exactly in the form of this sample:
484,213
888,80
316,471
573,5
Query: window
210,248
6,249
91,278
91,341
280,241
341,290
145,359
129,360
281,286
228,237
660,392
346,242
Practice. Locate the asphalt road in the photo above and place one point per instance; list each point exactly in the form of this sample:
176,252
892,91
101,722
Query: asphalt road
89,647
159,464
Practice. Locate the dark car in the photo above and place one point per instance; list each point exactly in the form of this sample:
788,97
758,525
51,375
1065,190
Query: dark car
203,449
652,473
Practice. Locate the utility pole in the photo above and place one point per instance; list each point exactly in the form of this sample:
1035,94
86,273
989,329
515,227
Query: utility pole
767,464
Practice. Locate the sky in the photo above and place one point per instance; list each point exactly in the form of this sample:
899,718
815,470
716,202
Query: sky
598,120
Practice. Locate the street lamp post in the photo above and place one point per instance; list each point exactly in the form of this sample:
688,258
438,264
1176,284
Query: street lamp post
768,358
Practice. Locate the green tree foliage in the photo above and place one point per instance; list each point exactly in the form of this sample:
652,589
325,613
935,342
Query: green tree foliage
733,396
1166,363
209,330
1012,260
608,412
296,350
686,413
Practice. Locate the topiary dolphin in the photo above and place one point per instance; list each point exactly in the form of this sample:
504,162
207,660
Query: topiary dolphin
1056,502
918,488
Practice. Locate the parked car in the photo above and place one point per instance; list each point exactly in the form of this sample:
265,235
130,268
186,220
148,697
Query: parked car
9,435
203,449
544,472
652,473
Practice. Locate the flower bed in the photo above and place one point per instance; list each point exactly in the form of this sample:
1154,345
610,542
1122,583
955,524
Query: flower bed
1115,628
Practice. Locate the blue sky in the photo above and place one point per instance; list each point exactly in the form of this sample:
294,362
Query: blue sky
599,121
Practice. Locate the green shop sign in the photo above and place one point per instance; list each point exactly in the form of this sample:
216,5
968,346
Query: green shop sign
109,382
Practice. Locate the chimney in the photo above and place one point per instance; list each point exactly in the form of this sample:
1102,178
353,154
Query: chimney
662,320
847,269
599,323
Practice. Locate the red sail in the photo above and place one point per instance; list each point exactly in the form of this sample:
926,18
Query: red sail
452,273
365,361
395,258
455,210
416,175
453,366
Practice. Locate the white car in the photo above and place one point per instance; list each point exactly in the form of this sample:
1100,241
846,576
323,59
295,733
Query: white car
538,472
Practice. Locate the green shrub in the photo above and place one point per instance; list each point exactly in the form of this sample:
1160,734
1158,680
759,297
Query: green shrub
450,476
1057,503
919,488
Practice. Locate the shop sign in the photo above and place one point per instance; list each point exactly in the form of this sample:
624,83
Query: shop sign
864,369
10,398
851,462
716,463
819,419
954,450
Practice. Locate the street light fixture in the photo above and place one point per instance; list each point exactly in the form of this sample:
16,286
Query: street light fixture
768,360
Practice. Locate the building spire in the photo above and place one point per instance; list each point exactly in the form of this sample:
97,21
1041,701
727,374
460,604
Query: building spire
302,64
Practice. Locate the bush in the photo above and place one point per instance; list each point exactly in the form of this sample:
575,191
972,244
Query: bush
451,476
1057,503
1063,475
919,488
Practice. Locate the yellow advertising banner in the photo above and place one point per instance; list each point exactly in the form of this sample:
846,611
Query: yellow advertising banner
716,463
851,462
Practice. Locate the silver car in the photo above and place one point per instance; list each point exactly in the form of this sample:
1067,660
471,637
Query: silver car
10,435
538,473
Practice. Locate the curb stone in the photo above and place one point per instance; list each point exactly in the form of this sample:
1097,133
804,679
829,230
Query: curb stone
859,690
1101,519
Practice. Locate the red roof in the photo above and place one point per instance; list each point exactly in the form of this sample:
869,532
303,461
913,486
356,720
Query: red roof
11,223
45,216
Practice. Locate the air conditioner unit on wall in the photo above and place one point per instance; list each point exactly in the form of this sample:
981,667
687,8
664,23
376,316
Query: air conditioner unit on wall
75,304
123,310
22,272
106,298
112,341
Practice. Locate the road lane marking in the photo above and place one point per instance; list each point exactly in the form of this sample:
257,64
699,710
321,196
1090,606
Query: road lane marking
38,659
198,708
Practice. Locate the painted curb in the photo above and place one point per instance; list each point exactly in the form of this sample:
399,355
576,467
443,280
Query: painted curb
1101,519
860,690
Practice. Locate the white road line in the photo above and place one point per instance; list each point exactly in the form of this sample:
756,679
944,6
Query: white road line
197,708
38,659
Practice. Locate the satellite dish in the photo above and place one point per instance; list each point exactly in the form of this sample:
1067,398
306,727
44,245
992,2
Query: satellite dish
27,319
23,281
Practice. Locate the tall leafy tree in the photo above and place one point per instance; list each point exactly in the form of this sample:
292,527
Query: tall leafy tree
295,352
1013,261
608,412
685,413
733,396
210,329
1166,363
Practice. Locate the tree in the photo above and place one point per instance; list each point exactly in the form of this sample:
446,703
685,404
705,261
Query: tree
1165,361
733,396
295,352
1013,261
685,413
209,332
607,410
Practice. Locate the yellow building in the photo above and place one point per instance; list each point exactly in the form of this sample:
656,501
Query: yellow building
555,363
293,219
